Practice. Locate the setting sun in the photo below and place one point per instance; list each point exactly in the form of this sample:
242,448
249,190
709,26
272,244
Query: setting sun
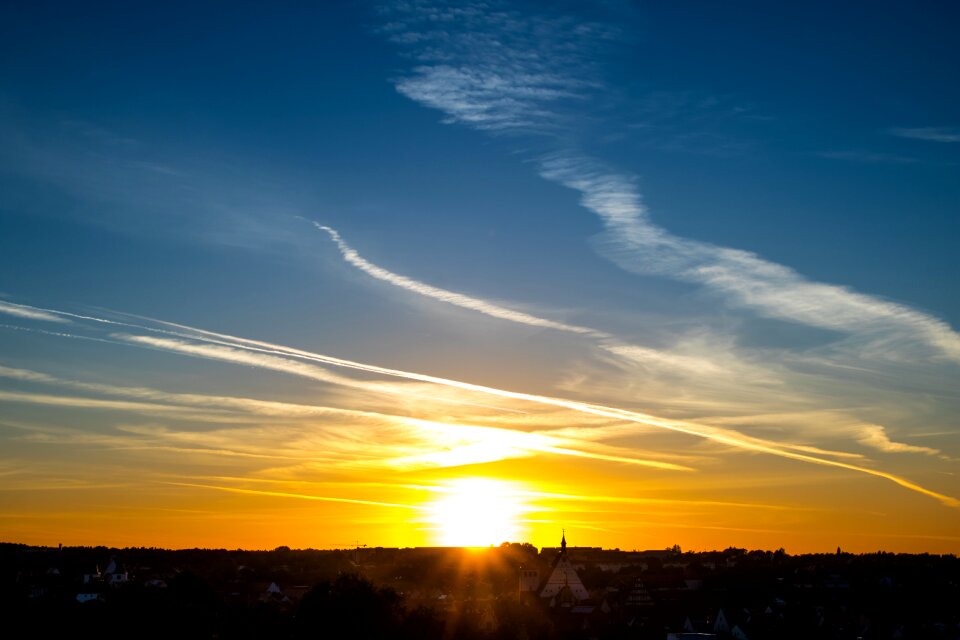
397,274
476,512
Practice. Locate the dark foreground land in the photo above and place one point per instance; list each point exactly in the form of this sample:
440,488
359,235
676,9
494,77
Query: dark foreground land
457,593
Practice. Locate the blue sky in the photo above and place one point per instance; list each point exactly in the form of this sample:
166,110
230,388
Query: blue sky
743,217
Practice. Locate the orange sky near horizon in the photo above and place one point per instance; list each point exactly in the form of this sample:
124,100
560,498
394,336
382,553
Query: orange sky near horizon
414,273
399,459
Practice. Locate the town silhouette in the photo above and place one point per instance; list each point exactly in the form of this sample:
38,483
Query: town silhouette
511,591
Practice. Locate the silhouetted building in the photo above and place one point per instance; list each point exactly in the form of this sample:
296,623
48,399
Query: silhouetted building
563,587
529,581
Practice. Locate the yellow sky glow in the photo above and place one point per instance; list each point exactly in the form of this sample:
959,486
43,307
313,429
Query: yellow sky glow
397,458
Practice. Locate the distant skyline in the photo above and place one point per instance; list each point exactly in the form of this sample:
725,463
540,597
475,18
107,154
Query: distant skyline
419,273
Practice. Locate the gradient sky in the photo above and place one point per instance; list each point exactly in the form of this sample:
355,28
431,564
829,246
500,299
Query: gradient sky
421,273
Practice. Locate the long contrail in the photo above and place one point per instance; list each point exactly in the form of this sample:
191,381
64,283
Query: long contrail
232,343
604,340
299,496
451,297
732,439
519,441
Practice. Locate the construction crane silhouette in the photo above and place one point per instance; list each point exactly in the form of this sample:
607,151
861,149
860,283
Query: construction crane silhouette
356,553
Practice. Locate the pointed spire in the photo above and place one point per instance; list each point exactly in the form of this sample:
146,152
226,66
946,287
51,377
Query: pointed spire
563,542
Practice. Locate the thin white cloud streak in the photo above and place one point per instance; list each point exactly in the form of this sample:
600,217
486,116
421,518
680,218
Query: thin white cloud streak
634,353
298,496
474,443
57,334
29,313
51,315
86,403
240,353
451,297
693,364
26,375
528,495
437,443
143,408
931,134
233,403
265,355
730,438
567,497
832,423
474,71
242,443
824,452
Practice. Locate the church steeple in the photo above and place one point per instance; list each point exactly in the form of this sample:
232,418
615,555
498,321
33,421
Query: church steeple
563,580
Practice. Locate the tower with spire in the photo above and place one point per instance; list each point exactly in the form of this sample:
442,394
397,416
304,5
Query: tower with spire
563,587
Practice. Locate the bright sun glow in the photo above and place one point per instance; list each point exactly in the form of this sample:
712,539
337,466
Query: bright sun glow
477,512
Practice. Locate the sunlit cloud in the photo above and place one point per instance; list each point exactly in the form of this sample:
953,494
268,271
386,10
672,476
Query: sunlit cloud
51,315
875,436
298,496
288,360
29,313
835,424
661,379
467,444
232,403
684,503
86,403
242,352
819,451
433,444
698,365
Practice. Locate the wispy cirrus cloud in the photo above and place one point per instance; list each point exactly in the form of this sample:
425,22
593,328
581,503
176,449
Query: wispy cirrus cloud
297,496
424,443
244,351
78,402
773,290
492,68
836,424
875,436
637,354
489,72
931,134
159,399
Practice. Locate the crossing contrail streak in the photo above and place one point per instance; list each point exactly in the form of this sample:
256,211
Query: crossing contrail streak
688,428
277,357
